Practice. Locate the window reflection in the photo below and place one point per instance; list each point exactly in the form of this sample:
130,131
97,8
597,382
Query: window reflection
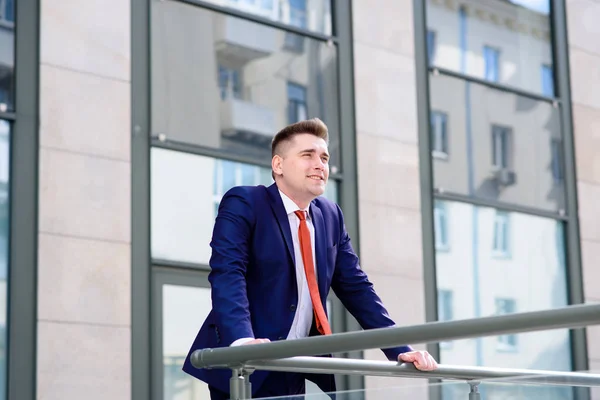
184,308
241,81
496,262
312,15
4,253
7,53
504,147
186,192
496,40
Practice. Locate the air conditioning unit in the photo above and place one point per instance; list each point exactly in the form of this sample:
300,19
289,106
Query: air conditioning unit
505,177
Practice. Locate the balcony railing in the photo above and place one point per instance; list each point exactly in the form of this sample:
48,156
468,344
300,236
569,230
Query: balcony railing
293,355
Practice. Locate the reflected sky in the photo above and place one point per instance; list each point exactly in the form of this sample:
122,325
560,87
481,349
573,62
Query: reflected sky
542,6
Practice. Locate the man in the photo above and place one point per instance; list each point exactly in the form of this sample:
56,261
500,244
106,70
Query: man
276,252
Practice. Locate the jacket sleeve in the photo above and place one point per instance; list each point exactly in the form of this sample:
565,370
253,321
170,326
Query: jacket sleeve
229,261
352,286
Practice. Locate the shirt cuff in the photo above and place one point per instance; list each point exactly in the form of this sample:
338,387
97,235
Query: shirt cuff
241,341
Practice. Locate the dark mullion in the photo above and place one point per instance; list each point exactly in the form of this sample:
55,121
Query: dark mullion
493,85
500,205
426,179
212,152
261,20
141,368
23,205
7,116
181,265
574,272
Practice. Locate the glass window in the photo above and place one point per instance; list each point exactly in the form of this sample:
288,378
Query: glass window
500,145
184,308
445,305
547,81
439,134
4,242
7,54
431,47
314,16
296,103
7,11
557,160
441,226
445,312
503,41
491,59
231,93
501,235
503,307
186,190
229,83
501,148
484,285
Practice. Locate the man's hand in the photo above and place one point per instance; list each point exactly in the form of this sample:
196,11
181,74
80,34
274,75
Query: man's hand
422,360
257,341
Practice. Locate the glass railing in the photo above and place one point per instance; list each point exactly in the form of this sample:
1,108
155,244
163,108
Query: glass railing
492,390
459,382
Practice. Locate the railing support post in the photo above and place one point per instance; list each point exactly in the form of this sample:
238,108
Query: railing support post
236,385
247,384
474,392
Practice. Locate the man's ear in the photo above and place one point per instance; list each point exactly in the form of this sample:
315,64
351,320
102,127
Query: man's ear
276,165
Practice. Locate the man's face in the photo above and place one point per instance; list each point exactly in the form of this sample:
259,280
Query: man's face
303,167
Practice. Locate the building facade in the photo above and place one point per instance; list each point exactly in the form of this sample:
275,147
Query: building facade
465,156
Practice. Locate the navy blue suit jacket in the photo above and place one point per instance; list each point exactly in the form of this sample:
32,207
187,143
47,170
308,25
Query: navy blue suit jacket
253,276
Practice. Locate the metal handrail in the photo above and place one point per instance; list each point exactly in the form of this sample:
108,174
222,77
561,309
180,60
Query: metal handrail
566,317
346,366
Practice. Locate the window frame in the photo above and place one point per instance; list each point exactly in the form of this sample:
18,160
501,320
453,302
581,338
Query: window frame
166,276
493,69
501,235
295,103
568,216
442,238
439,135
507,343
501,147
143,339
547,73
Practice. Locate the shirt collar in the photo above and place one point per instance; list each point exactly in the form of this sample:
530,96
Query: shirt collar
290,206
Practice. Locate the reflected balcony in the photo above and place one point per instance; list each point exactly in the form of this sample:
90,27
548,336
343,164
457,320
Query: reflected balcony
244,122
239,42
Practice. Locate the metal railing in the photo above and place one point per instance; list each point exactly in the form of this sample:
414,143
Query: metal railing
292,355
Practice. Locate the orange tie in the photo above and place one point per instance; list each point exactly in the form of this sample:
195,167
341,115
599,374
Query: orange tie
309,269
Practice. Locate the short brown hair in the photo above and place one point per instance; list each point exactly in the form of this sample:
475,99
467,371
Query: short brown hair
311,126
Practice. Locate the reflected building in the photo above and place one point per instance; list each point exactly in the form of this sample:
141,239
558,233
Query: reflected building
496,140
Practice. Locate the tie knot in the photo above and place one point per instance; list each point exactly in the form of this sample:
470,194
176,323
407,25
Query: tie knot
301,214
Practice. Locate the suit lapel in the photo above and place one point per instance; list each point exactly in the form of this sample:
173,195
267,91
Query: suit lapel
282,219
320,248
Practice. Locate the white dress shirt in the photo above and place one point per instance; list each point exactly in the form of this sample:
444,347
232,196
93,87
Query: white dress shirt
304,310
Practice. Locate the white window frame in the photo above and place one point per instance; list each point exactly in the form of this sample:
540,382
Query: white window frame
441,234
544,70
439,135
508,342
501,235
487,50
443,296
501,145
